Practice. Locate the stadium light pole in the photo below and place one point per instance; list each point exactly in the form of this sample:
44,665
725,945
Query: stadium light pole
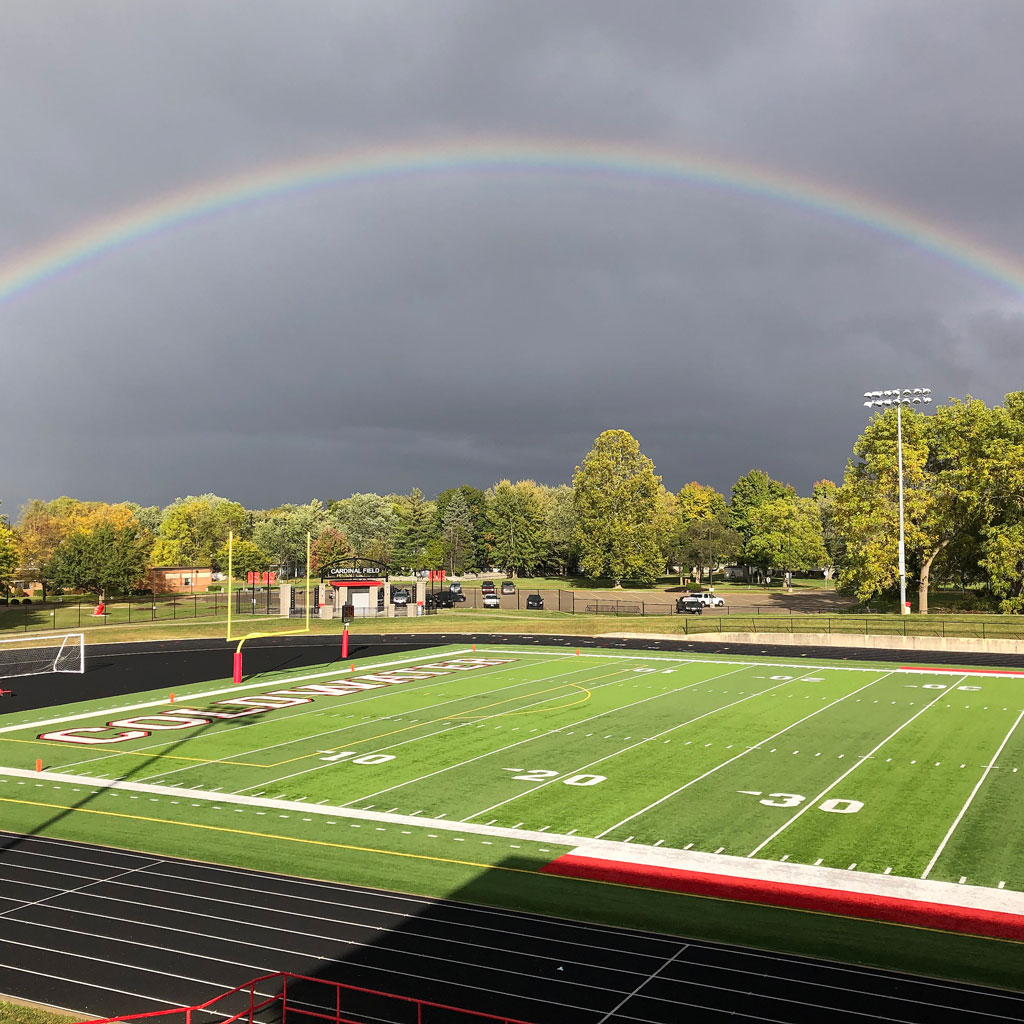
884,400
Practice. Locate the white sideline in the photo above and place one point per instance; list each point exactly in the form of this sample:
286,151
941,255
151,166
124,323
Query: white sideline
950,894
262,684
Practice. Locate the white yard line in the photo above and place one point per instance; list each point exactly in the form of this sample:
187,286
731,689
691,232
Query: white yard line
284,680
767,739
436,732
970,799
544,735
864,757
383,690
632,746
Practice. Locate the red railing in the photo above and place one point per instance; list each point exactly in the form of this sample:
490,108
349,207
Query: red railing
249,1003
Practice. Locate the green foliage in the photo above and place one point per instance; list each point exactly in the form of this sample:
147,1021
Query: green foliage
616,494
710,541
106,560
456,531
752,491
786,534
8,556
281,532
415,530
516,519
246,557
696,501
194,529
559,529
331,546
370,523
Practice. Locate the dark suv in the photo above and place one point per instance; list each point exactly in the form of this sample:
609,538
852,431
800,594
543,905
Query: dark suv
690,606
534,602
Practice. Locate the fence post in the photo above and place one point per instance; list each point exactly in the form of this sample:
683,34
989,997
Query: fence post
129,609
904,624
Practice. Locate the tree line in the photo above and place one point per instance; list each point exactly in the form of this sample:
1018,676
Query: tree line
963,477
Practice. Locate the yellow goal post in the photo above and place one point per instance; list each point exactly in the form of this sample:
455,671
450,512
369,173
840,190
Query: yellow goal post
232,636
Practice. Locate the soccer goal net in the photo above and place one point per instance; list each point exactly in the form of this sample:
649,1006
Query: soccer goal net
34,655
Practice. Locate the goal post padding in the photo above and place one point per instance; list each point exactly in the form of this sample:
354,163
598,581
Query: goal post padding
38,655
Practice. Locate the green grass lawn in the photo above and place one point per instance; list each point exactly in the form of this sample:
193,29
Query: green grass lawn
844,765
20,1013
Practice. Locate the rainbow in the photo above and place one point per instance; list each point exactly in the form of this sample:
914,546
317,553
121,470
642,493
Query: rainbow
579,158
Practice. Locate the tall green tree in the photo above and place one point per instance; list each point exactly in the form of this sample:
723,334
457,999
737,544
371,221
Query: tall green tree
281,532
330,546
370,523
103,561
194,529
750,492
516,518
560,549
616,494
9,556
415,529
786,535
951,482
456,532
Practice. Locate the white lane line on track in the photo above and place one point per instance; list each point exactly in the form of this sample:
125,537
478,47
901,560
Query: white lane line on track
254,927
320,916
163,702
93,881
416,739
623,750
970,799
612,933
814,801
618,1006
742,753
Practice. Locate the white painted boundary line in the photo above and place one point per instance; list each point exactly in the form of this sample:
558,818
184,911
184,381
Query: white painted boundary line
263,684
382,690
438,732
833,666
970,799
633,746
547,733
949,893
828,789
744,753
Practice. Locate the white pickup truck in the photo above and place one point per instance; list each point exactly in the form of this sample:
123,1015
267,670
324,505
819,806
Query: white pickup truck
708,600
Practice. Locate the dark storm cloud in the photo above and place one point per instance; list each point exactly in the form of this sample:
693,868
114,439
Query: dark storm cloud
465,327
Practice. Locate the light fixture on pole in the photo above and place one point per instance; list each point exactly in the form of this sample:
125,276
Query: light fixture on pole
886,399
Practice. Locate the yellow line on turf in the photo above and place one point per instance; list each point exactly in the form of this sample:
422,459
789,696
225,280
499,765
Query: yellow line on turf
536,711
435,721
502,867
263,835
140,753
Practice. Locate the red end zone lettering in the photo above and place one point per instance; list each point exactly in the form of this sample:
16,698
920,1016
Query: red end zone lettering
194,718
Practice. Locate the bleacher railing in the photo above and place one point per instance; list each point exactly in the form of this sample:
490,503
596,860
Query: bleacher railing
346,1004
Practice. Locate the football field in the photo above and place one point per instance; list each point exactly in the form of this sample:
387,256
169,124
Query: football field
861,767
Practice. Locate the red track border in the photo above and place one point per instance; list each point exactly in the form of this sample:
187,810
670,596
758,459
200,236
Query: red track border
922,914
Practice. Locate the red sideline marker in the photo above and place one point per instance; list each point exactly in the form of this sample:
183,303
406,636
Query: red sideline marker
39,764
344,642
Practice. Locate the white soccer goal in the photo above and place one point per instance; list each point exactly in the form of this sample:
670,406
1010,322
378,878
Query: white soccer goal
35,655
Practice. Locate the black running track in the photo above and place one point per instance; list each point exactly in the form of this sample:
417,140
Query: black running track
107,932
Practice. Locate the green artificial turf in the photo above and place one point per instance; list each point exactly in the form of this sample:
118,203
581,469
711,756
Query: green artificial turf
845,765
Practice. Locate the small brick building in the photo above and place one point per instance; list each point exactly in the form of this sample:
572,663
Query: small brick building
178,579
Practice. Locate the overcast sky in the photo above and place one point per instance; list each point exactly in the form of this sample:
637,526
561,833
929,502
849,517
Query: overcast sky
432,330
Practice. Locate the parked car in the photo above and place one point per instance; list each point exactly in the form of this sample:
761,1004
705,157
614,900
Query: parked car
708,600
492,601
457,595
535,603
442,599
690,606
487,587
400,598
455,587
508,587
